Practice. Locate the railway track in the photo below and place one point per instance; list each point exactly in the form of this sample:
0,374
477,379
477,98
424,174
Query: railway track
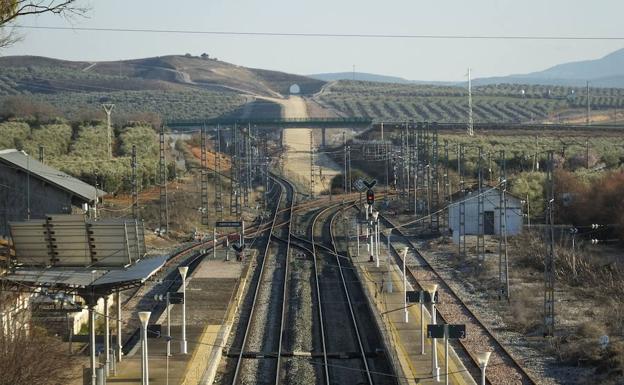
258,354
503,368
353,350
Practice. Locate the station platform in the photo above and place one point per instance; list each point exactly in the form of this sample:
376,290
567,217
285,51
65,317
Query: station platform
384,287
213,294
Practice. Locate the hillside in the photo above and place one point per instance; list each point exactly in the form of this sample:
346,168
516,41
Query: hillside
491,103
172,86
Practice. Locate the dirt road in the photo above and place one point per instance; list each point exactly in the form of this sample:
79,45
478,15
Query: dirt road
297,142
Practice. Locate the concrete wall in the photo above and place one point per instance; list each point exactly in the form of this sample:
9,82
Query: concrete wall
44,198
491,203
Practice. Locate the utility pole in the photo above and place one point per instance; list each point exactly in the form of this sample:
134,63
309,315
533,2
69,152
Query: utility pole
108,108
470,117
312,167
387,153
462,203
349,168
435,185
344,147
419,181
427,159
41,152
234,175
503,264
535,156
480,205
164,217
204,179
549,263
588,117
447,185
135,192
248,167
217,176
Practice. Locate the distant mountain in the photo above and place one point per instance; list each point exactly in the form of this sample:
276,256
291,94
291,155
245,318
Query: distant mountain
368,77
362,76
607,71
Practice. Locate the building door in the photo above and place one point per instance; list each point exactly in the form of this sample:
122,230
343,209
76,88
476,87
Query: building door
488,222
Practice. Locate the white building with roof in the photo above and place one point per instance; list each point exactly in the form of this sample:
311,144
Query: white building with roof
491,213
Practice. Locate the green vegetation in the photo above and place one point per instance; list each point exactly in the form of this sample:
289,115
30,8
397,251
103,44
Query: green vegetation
493,103
82,151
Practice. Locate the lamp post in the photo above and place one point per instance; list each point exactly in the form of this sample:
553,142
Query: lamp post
183,270
482,359
375,243
404,254
357,231
107,363
118,302
435,369
144,317
165,298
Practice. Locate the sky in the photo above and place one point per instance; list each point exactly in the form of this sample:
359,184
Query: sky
417,59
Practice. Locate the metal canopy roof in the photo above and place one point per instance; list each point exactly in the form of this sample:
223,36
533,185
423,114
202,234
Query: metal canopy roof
26,163
72,241
80,279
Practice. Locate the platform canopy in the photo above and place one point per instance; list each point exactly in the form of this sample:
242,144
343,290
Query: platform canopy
80,279
74,241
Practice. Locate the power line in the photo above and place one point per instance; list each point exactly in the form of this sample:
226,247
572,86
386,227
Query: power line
331,35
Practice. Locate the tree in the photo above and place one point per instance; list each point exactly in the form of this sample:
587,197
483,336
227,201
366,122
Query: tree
28,353
11,10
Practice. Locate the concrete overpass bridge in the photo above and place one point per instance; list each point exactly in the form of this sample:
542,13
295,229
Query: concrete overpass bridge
313,123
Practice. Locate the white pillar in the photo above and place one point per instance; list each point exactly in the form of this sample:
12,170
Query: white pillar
482,359
183,270
119,343
144,317
168,326
446,355
404,254
357,227
422,322
106,337
378,237
92,342
435,369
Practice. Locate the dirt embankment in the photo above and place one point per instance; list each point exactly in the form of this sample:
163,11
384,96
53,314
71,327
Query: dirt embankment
298,142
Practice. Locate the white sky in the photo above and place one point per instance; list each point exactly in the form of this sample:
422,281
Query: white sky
410,58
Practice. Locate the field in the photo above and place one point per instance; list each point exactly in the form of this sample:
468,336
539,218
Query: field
495,103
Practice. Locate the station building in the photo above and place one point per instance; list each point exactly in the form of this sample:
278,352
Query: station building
31,189
491,213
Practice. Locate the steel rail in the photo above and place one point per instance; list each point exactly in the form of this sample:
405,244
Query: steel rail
290,191
239,356
344,285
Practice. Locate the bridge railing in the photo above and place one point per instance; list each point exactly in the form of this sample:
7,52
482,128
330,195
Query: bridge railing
274,122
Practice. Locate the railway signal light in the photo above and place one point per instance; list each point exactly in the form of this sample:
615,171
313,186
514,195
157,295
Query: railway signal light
370,197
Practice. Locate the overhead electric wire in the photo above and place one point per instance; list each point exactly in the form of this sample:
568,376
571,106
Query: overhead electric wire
326,35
